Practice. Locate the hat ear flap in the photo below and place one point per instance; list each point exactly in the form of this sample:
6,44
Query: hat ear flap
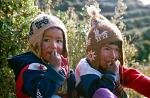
65,47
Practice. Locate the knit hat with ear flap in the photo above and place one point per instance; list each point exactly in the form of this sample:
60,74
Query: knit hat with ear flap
41,23
102,32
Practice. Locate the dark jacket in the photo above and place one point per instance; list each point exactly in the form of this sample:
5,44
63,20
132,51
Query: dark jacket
36,79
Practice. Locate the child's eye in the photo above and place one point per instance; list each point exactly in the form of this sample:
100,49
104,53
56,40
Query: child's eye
46,40
106,48
60,41
117,49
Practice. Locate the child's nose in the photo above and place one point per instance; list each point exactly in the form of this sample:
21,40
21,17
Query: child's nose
53,44
113,55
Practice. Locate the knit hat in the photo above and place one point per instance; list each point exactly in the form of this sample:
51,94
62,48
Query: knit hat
102,32
41,23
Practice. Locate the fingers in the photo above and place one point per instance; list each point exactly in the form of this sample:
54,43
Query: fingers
113,66
117,62
55,59
55,55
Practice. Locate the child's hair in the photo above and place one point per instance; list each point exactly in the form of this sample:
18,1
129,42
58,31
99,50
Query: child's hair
118,43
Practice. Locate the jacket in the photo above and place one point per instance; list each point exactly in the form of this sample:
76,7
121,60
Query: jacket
89,80
36,79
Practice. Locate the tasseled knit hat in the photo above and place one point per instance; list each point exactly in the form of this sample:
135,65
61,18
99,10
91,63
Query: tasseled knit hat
41,23
102,32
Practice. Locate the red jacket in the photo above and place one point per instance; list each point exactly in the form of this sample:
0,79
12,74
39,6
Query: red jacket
132,78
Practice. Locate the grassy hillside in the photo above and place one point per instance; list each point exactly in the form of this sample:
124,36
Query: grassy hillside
136,18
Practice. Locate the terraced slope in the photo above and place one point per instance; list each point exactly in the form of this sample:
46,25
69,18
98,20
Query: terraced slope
136,18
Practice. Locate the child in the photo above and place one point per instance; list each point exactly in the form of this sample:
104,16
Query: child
102,70
44,72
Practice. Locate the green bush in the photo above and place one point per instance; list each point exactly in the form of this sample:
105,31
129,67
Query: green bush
15,17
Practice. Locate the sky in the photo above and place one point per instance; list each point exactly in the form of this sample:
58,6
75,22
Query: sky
145,2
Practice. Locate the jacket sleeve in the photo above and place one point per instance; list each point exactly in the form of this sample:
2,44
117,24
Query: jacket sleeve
40,81
132,78
90,83
88,80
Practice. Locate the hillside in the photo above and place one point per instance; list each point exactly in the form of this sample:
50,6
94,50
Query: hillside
136,18
137,15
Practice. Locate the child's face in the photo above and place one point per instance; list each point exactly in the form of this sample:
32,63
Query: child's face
52,42
109,54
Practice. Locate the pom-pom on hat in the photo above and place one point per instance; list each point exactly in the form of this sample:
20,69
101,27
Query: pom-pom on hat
101,32
41,23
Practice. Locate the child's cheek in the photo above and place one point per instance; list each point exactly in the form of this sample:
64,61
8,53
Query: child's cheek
60,49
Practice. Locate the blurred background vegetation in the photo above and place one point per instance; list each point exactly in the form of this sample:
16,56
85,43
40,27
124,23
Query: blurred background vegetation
131,16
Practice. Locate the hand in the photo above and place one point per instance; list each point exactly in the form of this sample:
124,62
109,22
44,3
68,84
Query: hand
113,67
55,60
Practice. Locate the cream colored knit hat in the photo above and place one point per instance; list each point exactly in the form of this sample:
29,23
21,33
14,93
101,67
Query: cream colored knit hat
41,23
102,32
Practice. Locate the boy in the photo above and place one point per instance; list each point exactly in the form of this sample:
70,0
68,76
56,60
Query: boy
44,71
102,70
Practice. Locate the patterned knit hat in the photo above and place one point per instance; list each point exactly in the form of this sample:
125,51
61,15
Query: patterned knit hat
41,23
101,32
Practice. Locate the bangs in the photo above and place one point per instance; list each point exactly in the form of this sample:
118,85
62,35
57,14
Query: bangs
118,43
